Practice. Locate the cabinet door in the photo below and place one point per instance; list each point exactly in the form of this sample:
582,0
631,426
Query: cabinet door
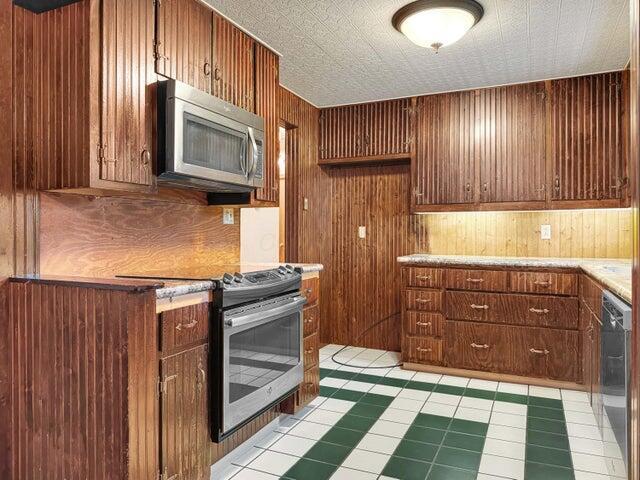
386,128
267,84
341,132
588,135
184,44
234,74
444,169
510,143
586,330
596,392
184,436
477,346
126,104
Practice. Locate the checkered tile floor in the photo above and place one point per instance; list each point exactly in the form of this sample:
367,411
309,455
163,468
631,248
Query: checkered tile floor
390,423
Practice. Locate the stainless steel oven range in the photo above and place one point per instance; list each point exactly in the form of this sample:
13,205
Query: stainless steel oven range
255,346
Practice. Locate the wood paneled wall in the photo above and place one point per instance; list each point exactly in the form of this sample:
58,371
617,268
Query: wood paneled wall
103,236
576,233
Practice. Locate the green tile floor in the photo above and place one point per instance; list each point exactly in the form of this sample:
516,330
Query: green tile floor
390,423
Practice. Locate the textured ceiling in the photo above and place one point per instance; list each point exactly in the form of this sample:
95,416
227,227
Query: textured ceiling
346,51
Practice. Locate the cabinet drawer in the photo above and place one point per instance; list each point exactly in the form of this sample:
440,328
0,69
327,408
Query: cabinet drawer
476,346
423,324
424,300
310,289
311,354
422,350
544,282
184,326
486,280
525,310
424,277
311,319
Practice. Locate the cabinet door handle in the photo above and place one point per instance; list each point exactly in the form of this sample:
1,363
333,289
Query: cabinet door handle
309,320
187,326
539,352
539,311
308,291
423,300
484,346
479,307
543,283
308,351
475,280
216,74
423,324
426,350
423,277
207,69
145,157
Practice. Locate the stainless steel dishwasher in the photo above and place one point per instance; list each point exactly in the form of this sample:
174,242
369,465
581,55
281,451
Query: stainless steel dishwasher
615,368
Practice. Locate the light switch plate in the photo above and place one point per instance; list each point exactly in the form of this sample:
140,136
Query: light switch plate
362,231
545,232
227,216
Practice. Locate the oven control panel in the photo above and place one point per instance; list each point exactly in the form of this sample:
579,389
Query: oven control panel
260,278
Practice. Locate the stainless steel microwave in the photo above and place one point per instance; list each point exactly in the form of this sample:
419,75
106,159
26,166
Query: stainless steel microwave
207,143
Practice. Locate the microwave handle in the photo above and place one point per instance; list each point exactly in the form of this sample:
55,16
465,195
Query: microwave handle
243,158
254,153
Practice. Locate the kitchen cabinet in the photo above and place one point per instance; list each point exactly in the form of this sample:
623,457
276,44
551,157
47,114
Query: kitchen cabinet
234,67
588,140
367,133
183,45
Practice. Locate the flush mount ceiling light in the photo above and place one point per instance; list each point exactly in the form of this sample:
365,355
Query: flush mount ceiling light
437,23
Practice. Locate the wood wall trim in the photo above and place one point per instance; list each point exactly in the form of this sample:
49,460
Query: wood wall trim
7,232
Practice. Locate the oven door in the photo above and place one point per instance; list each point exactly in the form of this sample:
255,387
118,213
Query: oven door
262,357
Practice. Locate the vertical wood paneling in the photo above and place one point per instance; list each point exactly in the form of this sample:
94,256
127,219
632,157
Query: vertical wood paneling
588,135
184,42
7,190
234,74
126,103
267,85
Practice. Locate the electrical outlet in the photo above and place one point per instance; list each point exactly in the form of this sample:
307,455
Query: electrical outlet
227,216
362,231
545,232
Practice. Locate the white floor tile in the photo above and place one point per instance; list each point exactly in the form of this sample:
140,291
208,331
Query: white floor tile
414,394
508,407
515,388
612,450
454,381
545,392
510,434
473,414
331,348
402,403
483,384
366,461
273,462
572,406
508,420
583,431
386,390
329,364
378,443
399,416
588,446
445,398
427,377
286,423
316,402
398,372
293,445
589,463
245,457
608,435
477,403
506,467
585,418
325,417
575,396
358,386
249,474
336,405
333,382
616,467
579,475
390,429
349,474
379,372
269,439
484,476
228,472
441,409
314,431
303,412
347,368
503,448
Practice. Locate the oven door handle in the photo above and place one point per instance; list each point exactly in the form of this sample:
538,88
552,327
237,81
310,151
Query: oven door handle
266,313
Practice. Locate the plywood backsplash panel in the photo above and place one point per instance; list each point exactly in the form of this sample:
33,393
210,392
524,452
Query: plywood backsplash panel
104,236
577,233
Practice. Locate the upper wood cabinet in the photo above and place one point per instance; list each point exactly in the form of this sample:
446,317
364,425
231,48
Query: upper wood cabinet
588,144
183,47
234,69
380,131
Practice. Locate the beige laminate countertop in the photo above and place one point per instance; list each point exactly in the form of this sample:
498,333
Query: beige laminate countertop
613,274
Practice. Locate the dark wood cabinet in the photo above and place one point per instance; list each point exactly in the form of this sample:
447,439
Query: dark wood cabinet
477,347
234,68
183,45
366,133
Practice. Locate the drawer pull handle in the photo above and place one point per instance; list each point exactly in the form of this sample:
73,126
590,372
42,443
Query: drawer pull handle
308,351
423,277
186,326
308,385
427,350
543,283
423,300
423,324
539,311
475,280
309,290
539,352
309,320
483,346
479,307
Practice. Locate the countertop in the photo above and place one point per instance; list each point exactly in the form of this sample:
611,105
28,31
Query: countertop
613,274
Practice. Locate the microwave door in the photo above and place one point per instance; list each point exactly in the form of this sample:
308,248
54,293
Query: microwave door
209,146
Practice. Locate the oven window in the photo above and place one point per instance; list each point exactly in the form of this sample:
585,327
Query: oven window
260,355
213,146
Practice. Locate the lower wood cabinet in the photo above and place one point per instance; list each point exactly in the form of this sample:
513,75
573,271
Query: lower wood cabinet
422,350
